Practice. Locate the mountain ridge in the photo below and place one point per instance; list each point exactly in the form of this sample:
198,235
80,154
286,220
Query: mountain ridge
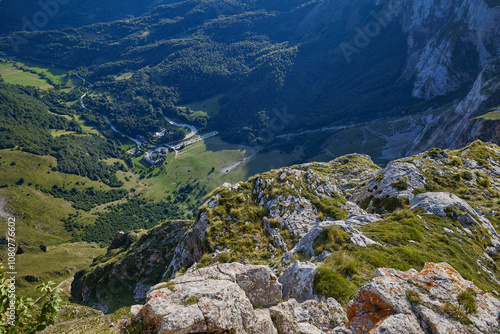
308,213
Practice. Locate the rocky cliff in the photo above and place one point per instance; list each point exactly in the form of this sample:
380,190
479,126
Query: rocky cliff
227,298
134,262
317,236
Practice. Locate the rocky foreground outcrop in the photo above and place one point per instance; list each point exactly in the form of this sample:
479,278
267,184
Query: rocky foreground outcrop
236,298
232,298
435,300
324,227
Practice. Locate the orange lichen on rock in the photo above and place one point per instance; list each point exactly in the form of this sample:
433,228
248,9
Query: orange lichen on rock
366,310
383,306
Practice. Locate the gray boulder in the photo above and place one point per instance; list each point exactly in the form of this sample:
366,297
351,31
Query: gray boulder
259,283
383,184
435,203
293,317
382,305
297,281
199,306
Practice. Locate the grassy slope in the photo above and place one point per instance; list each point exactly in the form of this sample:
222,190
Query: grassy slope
194,164
208,107
60,262
411,240
38,215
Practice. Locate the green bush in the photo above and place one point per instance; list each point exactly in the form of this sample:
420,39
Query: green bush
401,184
454,312
468,299
191,301
29,317
329,283
332,238
413,297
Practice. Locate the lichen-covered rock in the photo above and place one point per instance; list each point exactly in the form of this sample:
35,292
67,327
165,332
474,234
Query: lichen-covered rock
264,323
283,316
136,313
297,280
400,324
207,305
294,317
398,179
307,328
260,284
430,298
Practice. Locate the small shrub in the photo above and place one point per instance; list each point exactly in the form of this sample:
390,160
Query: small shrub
224,257
456,161
467,175
393,203
366,202
454,312
274,222
332,238
401,184
468,300
484,181
329,283
191,301
413,297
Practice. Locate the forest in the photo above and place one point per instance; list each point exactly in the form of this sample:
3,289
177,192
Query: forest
27,116
254,54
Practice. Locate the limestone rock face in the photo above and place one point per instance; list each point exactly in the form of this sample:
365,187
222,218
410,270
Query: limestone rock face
384,184
382,306
293,317
264,323
228,298
297,281
259,283
436,203
201,306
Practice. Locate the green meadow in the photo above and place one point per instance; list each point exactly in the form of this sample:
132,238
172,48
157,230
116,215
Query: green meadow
12,72
208,107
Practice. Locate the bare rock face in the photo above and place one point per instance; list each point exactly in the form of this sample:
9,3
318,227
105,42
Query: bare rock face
294,318
420,302
264,323
436,203
196,307
398,179
259,283
297,281
232,298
